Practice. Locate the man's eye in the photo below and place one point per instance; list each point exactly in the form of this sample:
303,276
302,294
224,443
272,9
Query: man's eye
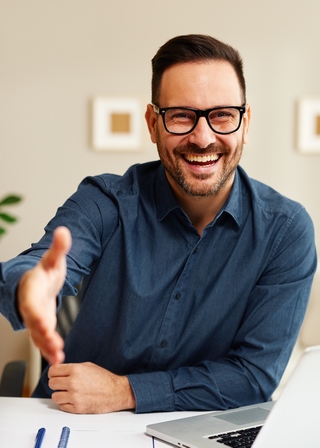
221,114
181,116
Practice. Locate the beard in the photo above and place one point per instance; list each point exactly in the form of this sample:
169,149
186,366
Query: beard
201,185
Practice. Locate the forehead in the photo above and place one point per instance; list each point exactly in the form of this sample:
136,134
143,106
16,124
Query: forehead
201,85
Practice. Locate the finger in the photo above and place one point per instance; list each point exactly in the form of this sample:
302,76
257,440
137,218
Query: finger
53,350
57,357
53,357
69,407
67,404
59,370
50,343
51,347
58,383
61,397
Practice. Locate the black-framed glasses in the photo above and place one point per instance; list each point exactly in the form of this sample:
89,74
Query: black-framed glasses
183,120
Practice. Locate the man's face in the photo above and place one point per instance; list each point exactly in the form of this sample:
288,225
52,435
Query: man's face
200,163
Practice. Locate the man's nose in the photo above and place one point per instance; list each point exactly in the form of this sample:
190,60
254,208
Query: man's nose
202,135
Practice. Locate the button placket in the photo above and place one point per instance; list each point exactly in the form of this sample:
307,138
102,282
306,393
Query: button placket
168,330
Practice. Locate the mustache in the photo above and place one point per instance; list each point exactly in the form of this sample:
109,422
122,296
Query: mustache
213,148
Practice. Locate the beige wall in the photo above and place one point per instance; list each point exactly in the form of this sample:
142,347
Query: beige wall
56,55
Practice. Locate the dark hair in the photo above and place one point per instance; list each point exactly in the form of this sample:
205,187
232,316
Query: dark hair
192,48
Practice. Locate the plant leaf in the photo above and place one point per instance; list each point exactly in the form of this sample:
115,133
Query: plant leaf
7,218
11,199
2,231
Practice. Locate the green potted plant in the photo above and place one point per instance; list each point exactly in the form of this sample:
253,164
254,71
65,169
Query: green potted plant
5,217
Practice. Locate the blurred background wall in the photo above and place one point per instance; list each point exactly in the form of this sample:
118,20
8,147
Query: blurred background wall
56,56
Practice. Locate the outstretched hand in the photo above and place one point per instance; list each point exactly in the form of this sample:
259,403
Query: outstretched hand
37,297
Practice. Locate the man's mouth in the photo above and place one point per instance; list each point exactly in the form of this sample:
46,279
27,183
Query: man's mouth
206,159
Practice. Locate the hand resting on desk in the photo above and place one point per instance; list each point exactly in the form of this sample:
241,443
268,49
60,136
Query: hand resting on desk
86,388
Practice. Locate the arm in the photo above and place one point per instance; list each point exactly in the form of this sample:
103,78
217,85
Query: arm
77,214
253,366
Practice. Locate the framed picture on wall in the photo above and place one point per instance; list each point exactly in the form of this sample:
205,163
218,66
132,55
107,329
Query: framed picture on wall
116,124
308,129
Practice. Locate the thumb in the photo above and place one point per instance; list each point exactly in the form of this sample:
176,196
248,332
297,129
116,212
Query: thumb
60,246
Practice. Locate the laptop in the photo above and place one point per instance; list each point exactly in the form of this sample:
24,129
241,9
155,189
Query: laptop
292,421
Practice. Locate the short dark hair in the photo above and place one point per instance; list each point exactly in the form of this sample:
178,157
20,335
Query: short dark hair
193,48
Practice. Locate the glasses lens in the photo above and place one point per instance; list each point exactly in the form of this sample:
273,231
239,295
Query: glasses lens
179,120
224,120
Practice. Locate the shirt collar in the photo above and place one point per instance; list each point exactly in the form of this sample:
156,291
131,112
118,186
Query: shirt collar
233,204
165,198
167,202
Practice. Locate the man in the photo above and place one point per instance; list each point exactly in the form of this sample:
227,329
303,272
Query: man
195,277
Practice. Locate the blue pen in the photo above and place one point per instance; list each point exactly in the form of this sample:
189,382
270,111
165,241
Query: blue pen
39,437
63,442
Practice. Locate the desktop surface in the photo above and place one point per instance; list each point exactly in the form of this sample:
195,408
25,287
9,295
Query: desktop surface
21,418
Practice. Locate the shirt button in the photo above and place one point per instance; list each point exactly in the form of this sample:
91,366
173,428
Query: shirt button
195,250
178,296
163,343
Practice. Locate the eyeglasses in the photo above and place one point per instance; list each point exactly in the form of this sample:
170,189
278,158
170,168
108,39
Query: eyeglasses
183,120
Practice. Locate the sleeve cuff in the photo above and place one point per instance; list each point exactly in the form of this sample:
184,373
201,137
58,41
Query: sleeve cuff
10,274
153,392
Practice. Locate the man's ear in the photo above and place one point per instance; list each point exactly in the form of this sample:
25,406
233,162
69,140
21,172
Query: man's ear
246,123
151,119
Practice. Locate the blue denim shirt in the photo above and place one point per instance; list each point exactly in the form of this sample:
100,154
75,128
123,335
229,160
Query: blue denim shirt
196,323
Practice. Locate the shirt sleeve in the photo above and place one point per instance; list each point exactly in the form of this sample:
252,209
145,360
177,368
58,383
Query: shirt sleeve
254,365
82,215
10,274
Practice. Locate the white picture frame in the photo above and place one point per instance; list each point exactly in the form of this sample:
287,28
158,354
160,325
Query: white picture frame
309,125
116,124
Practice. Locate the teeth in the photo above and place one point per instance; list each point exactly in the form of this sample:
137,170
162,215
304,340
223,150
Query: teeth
202,159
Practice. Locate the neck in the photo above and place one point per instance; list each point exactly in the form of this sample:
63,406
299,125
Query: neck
202,210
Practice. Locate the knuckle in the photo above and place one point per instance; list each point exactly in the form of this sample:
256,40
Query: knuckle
73,384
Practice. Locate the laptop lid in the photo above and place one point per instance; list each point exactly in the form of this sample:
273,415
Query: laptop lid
295,418
296,408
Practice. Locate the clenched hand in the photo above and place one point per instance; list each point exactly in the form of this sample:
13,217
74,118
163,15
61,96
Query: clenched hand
86,388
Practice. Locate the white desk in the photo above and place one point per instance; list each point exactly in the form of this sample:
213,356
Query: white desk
20,419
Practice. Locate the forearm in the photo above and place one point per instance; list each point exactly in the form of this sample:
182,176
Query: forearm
247,374
209,386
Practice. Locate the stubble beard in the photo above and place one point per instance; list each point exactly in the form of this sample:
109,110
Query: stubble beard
203,190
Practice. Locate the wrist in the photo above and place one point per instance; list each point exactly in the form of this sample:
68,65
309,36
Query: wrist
129,400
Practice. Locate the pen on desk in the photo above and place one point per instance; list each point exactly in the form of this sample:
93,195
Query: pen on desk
39,438
63,442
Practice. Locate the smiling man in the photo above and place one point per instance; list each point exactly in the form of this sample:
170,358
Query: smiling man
195,278
200,153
